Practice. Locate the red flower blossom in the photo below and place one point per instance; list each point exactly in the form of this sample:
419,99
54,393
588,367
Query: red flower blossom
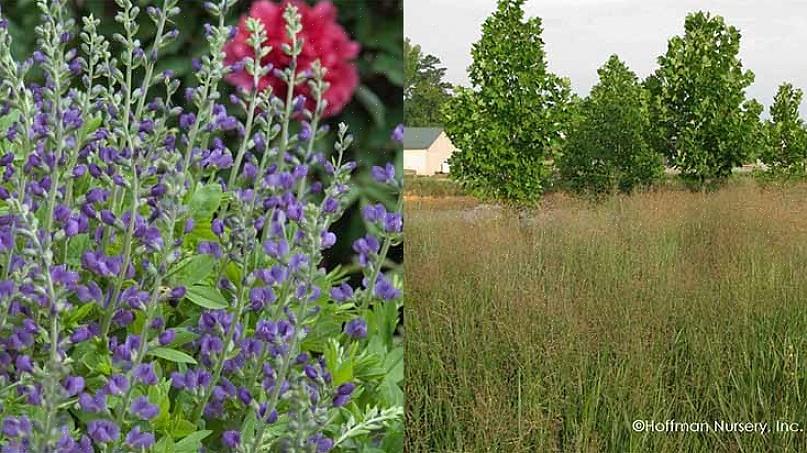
323,39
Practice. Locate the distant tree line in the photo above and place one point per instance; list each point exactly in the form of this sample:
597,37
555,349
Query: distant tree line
518,127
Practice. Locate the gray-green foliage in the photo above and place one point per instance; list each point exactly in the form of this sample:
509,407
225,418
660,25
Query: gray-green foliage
508,124
785,152
702,121
607,146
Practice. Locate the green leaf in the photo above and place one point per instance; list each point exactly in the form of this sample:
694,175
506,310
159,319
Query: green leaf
193,269
372,103
165,445
182,428
191,442
205,201
206,297
172,355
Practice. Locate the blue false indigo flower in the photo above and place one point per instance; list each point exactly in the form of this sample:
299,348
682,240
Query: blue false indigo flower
186,120
138,439
322,443
15,427
23,364
103,431
366,247
189,224
231,439
385,290
276,249
398,133
305,132
144,373
374,212
209,248
178,292
356,328
384,175
328,239
330,205
217,227
393,222
166,337
82,333
117,384
299,103
89,403
62,276
73,385
142,408
342,293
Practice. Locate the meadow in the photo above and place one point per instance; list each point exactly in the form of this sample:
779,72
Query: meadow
555,330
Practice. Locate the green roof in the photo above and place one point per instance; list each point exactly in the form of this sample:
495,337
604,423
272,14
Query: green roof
420,137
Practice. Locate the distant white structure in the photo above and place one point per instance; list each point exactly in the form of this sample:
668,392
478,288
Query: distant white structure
427,150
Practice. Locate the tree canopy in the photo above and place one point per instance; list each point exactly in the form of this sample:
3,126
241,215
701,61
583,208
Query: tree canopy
701,119
607,146
425,91
507,125
786,137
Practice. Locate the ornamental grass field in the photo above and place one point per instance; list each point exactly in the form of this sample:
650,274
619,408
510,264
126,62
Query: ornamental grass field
556,330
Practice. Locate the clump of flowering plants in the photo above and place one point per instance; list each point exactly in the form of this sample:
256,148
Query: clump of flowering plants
161,286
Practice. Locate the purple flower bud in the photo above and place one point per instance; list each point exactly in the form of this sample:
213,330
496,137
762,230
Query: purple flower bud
217,227
330,205
231,439
187,120
167,337
398,133
23,364
189,224
356,328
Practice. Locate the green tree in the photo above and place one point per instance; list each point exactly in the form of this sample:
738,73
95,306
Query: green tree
785,152
425,91
700,115
508,124
607,146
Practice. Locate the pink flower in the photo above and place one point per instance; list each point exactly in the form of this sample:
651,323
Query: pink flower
323,39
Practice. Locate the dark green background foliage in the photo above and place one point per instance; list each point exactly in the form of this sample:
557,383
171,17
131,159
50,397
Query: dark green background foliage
508,124
607,145
786,150
701,119
425,91
377,106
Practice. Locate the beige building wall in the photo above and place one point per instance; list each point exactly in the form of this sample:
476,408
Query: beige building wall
439,153
415,160
432,161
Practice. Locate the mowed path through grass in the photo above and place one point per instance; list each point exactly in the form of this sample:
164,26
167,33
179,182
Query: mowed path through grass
557,333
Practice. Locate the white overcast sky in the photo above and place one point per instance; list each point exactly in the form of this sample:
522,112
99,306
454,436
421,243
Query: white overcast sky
581,34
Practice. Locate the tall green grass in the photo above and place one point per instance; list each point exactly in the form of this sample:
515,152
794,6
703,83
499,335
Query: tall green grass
554,334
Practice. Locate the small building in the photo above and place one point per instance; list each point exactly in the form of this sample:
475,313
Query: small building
426,150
